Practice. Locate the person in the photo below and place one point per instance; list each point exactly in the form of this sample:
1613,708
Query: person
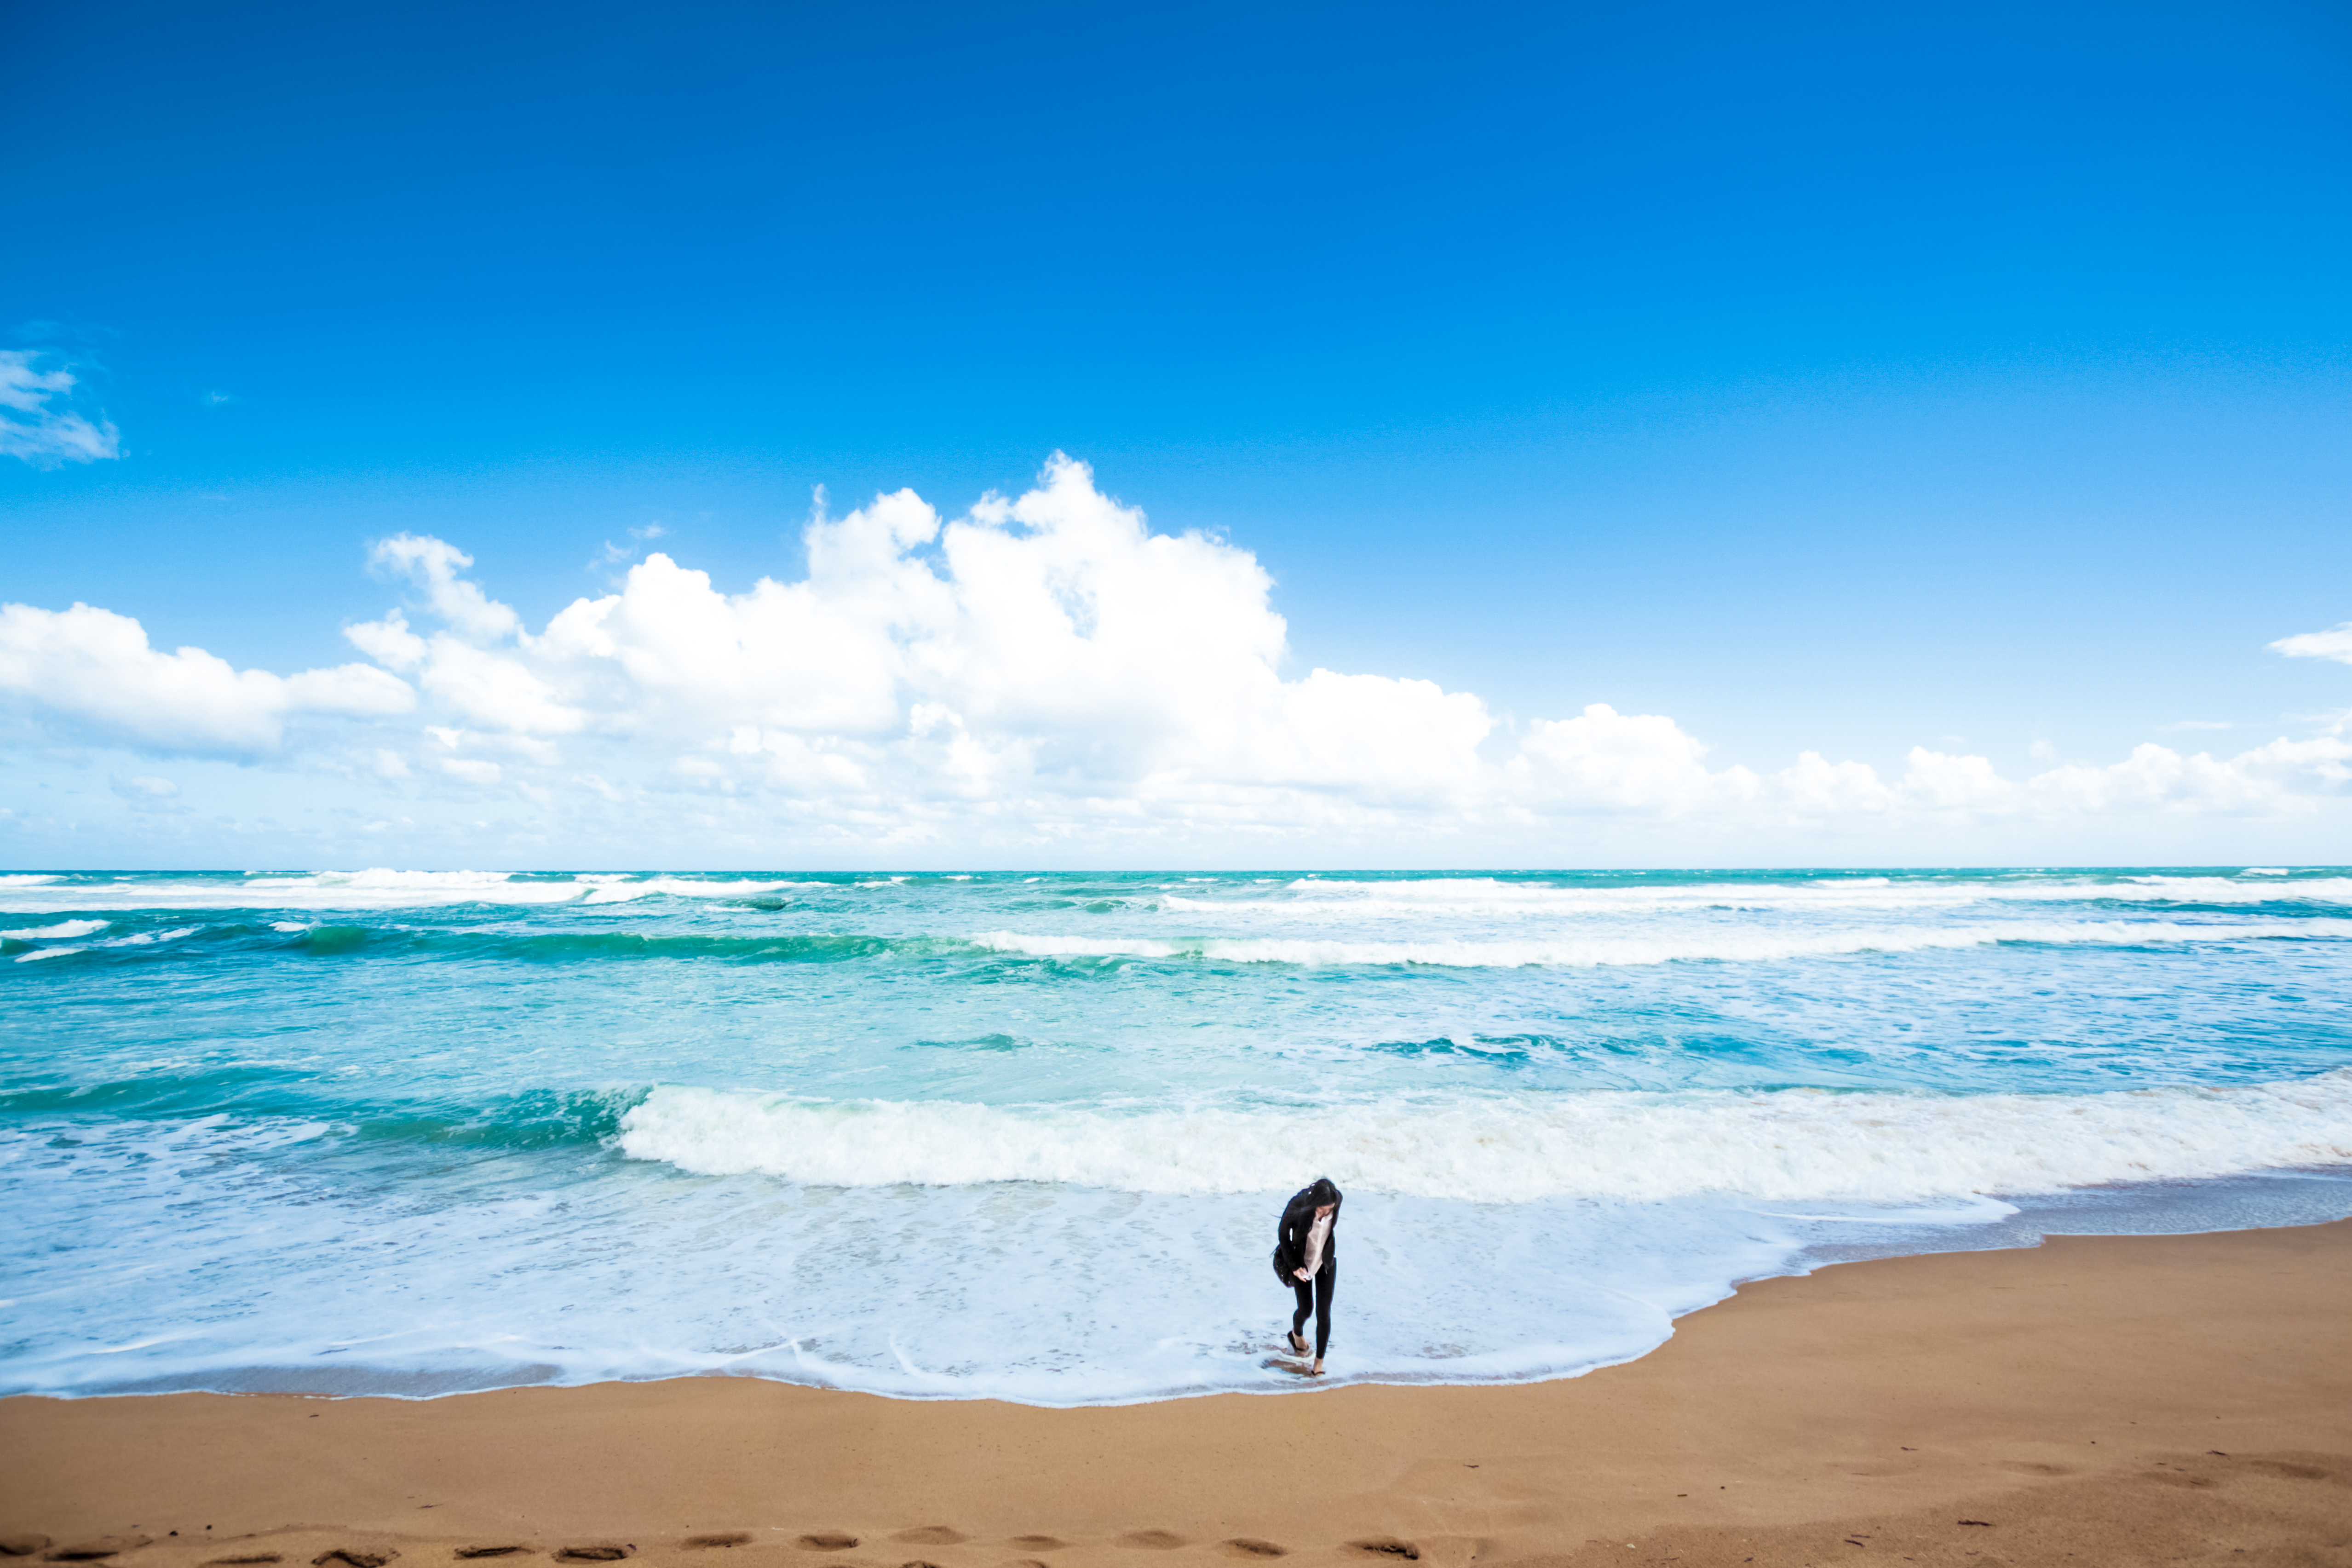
1307,1258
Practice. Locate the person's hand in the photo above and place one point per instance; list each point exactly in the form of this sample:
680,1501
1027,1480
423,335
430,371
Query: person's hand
1298,1274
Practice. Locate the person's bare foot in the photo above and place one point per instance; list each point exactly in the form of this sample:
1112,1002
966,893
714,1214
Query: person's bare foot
1299,1343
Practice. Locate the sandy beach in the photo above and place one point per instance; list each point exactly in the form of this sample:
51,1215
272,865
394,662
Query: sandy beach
2111,1400
739,742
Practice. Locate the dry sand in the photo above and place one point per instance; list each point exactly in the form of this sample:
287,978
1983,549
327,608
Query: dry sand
2098,1401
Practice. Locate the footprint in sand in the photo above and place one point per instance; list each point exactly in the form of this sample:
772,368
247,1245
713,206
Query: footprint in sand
90,1550
352,1557
2292,1472
1151,1540
22,1545
250,1560
595,1551
720,1538
1250,1546
1388,1546
931,1535
470,1553
1282,1364
826,1540
1038,1543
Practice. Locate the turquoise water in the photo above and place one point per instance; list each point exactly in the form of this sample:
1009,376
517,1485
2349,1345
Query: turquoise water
1025,1137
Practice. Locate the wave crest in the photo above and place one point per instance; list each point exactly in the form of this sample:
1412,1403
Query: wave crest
1602,952
1780,1145
62,931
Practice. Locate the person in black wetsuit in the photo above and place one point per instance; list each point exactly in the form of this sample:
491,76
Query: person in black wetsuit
1307,1259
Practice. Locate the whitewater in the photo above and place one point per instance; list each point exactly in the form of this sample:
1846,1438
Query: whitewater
1024,1135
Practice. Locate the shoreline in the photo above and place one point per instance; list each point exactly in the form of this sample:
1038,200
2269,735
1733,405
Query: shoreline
2151,1391
2286,1198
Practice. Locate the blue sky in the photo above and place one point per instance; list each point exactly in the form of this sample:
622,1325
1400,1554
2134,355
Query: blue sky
1848,380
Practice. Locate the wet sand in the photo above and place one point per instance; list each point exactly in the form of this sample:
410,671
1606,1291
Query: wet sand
2095,1401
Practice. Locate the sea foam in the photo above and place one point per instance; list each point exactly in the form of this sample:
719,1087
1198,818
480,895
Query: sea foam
1645,1147
62,930
1491,897
377,889
478,1128
1725,946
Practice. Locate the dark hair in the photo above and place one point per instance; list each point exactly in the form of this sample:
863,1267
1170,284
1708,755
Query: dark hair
1323,1192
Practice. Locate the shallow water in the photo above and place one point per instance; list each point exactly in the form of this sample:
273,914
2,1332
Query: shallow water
1025,1137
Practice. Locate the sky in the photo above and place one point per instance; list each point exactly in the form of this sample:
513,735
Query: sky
906,436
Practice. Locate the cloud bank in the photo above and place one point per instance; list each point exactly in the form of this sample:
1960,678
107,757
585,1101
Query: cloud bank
1045,671
92,675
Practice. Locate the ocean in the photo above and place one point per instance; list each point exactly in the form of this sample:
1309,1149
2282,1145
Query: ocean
1025,1137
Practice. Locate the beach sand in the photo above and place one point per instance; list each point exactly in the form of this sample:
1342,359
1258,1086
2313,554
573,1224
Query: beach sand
2095,1401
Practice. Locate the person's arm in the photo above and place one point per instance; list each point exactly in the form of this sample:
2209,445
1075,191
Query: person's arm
1294,1243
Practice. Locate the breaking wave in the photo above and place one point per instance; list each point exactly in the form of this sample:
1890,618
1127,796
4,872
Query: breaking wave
64,930
1493,897
1732,945
1782,1146
375,889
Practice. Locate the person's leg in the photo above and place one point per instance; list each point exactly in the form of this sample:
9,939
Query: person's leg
1305,1294
1325,1284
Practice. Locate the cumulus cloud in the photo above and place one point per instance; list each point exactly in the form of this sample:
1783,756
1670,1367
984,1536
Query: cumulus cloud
38,422
1050,650
1049,660
1602,759
1044,668
459,666
92,671
434,567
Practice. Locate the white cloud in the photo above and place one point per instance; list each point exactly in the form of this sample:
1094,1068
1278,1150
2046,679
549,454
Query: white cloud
36,422
497,692
92,671
2335,645
1605,761
1042,670
1938,781
459,666
1816,788
1052,646
434,567
2323,761
1050,661
2156,778
390,642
